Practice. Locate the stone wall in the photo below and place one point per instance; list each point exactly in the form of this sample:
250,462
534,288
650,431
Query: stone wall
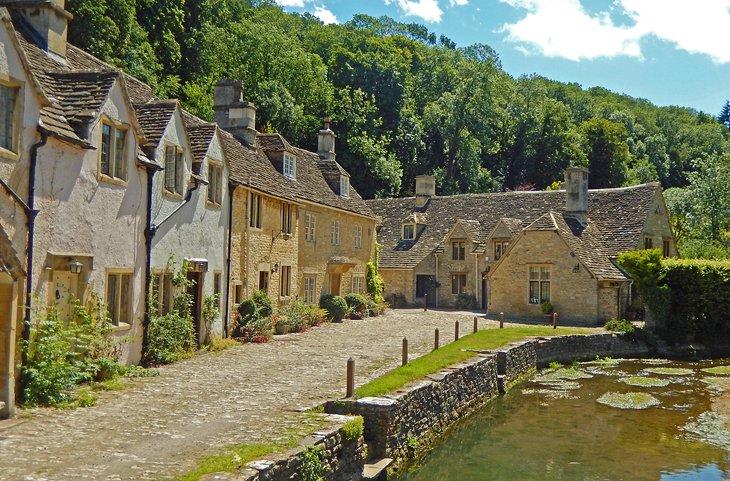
515,361
423,409
342,459
587,348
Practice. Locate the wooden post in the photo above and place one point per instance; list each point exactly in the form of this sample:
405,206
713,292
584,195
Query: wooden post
425,302
555,320
456,331
350,378
501,320
436,339
476,325
404,354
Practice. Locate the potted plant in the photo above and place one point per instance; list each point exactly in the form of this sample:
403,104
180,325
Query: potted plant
281,326
547,310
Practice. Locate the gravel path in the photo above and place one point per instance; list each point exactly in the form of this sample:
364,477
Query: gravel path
161,426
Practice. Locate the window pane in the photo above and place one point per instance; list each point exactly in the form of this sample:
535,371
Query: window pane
112,302
170,169
106,138
124,298
211,184
7,109
544,292
545,273
534,292
120,165
179,166
534,273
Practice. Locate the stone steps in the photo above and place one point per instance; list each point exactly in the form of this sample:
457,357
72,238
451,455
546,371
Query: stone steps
375,470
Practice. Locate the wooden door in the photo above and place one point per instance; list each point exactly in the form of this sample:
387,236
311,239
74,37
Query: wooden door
335,284
64,289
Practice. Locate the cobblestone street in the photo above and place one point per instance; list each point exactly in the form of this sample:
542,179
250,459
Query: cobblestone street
161,426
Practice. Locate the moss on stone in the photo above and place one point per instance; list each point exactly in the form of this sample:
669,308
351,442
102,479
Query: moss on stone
628,400
717,370
644,381
670,371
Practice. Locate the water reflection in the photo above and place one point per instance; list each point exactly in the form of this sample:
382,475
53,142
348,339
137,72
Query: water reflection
546,429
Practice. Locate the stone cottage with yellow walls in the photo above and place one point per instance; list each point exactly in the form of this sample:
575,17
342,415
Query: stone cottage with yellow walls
299,229
513,251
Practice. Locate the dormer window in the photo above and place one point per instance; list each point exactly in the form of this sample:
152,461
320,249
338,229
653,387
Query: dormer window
409,231
290,166
9,118
344,186
112,162
174,165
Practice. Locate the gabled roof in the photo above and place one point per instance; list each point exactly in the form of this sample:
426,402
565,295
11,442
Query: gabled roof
154,117
619,214
201,135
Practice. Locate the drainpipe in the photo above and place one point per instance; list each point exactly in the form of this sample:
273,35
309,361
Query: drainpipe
149,234
438,287
231,191
477,293
31,213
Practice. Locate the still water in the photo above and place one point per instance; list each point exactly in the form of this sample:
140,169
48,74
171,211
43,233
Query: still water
602,421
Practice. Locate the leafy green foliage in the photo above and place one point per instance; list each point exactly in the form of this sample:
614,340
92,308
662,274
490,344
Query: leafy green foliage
357,305
353,428
171,336
311,468
645,267
263,303
466,301
335,306
375,283
619,325
547,308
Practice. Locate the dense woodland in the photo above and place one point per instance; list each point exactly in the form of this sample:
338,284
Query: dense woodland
405,101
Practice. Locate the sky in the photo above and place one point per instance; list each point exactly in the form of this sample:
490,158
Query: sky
671,52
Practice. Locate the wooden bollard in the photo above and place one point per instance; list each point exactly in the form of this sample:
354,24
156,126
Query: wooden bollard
555,320
425,302
501,320
476,324
456,331
350,378
436,339
404,352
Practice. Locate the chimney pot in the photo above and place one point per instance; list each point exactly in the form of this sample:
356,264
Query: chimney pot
576,192
326,141
425,189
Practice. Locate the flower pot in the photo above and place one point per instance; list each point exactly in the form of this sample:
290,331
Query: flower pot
548,317
281,328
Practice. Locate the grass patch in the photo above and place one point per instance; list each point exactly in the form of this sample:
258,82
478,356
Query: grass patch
717,370
456,352
218,344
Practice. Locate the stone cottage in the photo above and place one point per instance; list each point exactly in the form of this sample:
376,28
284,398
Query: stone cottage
512,251
299,229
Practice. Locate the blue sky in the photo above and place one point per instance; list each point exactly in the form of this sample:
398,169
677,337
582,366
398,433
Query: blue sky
671,52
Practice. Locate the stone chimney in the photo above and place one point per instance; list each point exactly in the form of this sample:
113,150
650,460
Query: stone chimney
576,193
425,189
48,18
326,141
232,113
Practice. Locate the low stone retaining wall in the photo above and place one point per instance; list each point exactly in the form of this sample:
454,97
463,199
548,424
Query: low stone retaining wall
397,423
342,459
423,409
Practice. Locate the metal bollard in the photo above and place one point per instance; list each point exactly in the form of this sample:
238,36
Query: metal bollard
456,331
555,320
501,320
436,339
404,353
476,325
350,378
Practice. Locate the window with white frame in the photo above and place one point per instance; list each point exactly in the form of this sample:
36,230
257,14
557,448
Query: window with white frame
215,183
409,232
9,117
539,284
358,284
290,166
255,208
357,231
310,290
287,213
500,247
174,168
310,227
111,156
335,233
118,297
344,186
285,281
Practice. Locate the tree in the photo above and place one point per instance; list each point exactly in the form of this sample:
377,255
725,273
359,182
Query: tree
608,154
724,117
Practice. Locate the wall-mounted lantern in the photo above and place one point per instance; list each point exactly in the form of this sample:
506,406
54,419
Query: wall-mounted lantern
75,266
275,268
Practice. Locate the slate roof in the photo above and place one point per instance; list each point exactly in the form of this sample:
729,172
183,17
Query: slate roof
201,135
619,215
154,117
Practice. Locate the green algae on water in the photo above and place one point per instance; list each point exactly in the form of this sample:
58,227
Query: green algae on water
670,371
564,373
644,381
717,370
628,400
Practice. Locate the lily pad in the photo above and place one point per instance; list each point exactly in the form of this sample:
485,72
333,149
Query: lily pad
717,370
551,393
628,400
560,384
564,373
670,371
644,381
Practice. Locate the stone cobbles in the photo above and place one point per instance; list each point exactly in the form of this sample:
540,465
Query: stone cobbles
159,427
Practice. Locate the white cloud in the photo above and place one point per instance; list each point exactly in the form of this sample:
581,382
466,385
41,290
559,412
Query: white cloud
458,3
563,28
290,3
428,10
324,14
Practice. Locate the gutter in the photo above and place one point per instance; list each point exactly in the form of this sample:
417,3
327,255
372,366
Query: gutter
31,213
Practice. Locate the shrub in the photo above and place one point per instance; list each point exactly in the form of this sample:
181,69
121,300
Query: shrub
466,301
335,306
375,308
311,468
247,312
258,330
547,307
357,304
620,325
263,303
353,428
375,283
299,316
221,344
